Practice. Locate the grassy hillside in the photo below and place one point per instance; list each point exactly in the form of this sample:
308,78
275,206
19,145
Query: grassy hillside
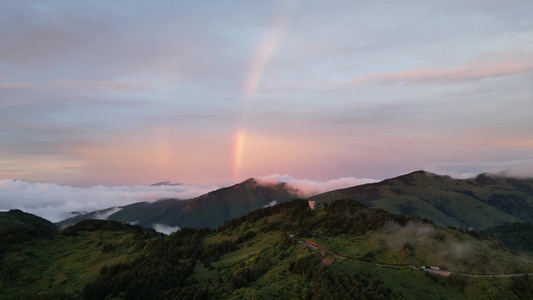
517,236
60,264
267,254
18,219
481,202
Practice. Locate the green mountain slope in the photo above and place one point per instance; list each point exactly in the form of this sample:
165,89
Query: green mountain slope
58,265
102,214
517,236
209,210
18,219
481,202
343,250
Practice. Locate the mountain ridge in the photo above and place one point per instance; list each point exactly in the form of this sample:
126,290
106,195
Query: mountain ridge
448,201
208,210
480,202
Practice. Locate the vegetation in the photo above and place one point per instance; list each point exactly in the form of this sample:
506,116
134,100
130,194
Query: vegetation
479,203
366,253
517,236
18,219
209,210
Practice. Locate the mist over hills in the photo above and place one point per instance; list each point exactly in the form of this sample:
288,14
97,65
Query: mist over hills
268,245
208,210
479,203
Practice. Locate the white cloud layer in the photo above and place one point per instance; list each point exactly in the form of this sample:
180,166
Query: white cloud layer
272,203
105,214
56,202
307,187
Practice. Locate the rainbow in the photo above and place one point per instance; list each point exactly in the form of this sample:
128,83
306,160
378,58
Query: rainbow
237,152
266,47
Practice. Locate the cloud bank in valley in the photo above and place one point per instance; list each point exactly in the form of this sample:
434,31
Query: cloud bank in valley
56,202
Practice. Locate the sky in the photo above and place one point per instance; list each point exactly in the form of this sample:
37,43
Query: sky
210,93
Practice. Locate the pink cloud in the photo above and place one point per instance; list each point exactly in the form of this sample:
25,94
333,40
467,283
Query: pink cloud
16,86
307,187
451,74
115,85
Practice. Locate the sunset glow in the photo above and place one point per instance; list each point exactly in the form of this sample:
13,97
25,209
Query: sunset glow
97,94
238,153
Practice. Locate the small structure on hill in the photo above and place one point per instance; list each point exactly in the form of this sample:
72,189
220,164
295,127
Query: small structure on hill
312,204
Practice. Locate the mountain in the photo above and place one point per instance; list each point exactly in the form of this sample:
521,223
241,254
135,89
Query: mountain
102,214
209,210
481,202
341,250
18,219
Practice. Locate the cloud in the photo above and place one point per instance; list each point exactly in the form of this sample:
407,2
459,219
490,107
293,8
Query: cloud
82,82
521,168
165,229
56,202
272,203
307,187
103,215
451,74
92,85
525,171
16,86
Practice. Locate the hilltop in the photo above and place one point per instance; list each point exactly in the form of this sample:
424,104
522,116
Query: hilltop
481,202
209,210
16,218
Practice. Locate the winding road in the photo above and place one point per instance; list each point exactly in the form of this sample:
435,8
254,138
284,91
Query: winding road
317,246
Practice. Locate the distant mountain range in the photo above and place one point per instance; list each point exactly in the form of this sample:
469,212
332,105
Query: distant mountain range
479,203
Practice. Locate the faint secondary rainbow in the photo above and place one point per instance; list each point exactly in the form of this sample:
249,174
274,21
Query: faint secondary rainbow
265,50
266,47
